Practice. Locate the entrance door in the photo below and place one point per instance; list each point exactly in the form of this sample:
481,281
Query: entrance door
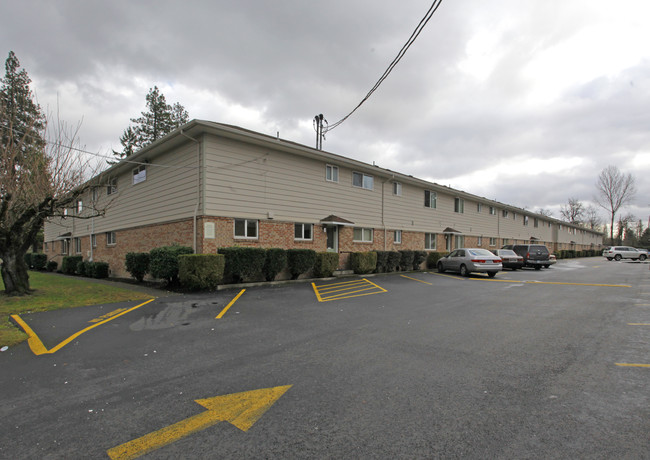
332,239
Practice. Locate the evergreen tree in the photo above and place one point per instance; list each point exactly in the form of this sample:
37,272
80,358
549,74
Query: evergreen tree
157,121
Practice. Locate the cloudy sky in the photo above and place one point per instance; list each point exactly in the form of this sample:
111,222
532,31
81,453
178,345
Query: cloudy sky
521,102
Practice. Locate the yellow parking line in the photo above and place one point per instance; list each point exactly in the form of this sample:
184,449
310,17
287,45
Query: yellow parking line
415,279
223,312
638,324
632,365
36,345
447,276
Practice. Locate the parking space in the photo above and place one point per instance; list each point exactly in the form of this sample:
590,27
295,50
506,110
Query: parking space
320,370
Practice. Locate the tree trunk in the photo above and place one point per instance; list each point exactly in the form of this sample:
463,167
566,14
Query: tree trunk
14,273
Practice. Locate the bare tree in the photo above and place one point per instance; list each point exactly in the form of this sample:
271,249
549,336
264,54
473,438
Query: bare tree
615,190
591,217
573,211
544,212
37,182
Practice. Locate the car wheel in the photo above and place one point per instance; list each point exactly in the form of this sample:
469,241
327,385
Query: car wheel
617,257
463,270
547,266
642,257
440,269
538,267
492,274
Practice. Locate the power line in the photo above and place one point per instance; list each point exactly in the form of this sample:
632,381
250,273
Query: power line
423,22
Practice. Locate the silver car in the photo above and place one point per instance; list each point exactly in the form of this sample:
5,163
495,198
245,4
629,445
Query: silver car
624,252
469,260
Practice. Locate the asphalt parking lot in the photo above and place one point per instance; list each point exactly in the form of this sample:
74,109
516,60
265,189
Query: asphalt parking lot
530,364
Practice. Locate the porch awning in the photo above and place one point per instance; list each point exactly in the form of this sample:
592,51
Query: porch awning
64,236
451,230
335,220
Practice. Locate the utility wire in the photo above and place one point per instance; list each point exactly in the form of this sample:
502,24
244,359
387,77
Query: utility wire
423,22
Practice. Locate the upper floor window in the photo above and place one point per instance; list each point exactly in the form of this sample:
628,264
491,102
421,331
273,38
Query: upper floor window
525,220
331,173
94,195
493,211
504,213
303,231
479,207
397,189
80,206
139,174
430,199
459,205
362,180
245,228
535,222
111,187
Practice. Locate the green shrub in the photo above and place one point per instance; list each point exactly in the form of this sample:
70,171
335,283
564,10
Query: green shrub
163,262
406,260
363,262
51,266
83,268
433,258
382,261
39,260
243,263
326,263
201,271
276,261
300,261
418,258
69,264
97,269
392,264
137,264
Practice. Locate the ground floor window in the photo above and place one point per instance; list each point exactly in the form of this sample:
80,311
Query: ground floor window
93,240
64,247
303,231
363,235
111,238
479,242
397,237
429,241
493,241
245,228
459,241
77,245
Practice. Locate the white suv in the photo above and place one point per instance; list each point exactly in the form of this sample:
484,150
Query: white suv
624,252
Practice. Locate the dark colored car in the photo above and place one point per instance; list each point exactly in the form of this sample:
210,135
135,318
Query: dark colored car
510,259
535,255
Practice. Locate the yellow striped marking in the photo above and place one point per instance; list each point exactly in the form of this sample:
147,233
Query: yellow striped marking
448,276
638,324
37,346
632,365
223,312
415,279
346,290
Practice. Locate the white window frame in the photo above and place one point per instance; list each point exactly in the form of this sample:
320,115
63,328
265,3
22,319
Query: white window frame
479,241
93,240
432,201
367,235
111,187
111,239
331,173
139,174
77,245
504,213
430,241
479,207
246,236
80,206
397,237
526,221
459,205
367,181
493,211
493,241
302,227
397,188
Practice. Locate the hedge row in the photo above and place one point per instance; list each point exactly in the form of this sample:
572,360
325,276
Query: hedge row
75,265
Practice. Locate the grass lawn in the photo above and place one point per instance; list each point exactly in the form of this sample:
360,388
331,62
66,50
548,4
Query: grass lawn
52,292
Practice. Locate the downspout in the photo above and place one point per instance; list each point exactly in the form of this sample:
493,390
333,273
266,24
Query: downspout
198,188
383,224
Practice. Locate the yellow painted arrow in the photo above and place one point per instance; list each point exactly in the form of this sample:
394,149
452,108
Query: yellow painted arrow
240,409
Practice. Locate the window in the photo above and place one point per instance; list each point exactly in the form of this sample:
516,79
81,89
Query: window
535,222
110,238
504,213
525,221
429,241
65,213
430,199
94,195
64,246
45,246
139,174
303,231
505,241
493,241
514,216
493,211
362,180
479,242
80,206
77,245
479,207
93,240
397,237
363,235
331,173
459,241
459,205
112,186
397,189
245,228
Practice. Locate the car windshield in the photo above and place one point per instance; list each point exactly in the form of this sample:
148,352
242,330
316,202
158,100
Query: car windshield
480,252
506,252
